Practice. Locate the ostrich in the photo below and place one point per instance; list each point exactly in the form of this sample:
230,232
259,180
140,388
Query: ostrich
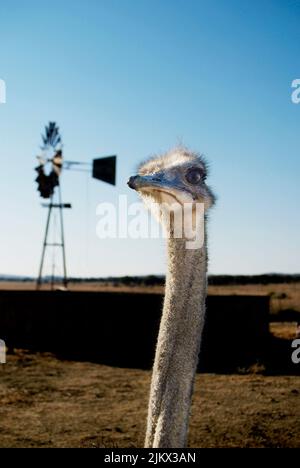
177,176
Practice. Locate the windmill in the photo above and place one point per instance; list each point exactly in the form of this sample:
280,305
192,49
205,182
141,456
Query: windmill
51,164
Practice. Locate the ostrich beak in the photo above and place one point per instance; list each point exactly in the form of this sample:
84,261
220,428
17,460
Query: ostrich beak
158,183
138,182
132,182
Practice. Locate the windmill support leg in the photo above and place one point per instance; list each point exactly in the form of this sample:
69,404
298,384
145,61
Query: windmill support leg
39,281
65,281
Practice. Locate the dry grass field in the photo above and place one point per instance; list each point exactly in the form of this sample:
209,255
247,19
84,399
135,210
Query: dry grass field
46,402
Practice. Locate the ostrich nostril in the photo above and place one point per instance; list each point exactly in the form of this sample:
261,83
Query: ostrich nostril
131,182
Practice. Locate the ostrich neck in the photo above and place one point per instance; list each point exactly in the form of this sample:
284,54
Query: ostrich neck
177,347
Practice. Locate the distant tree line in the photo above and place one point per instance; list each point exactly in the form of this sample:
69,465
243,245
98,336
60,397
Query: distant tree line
216,280
275,278
159,280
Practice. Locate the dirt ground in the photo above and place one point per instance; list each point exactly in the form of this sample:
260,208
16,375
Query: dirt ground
47,402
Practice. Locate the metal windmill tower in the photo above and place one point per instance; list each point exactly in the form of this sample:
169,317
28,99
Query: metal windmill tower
51,164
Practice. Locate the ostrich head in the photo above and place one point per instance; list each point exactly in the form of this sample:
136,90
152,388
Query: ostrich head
178,176
173,179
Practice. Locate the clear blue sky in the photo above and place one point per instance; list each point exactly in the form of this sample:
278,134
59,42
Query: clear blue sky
134,77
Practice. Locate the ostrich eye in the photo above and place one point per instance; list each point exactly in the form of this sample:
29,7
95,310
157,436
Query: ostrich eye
194,176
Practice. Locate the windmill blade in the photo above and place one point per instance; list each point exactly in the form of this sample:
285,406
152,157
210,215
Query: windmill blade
46,183
42,161
52,136
105,169
57,162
